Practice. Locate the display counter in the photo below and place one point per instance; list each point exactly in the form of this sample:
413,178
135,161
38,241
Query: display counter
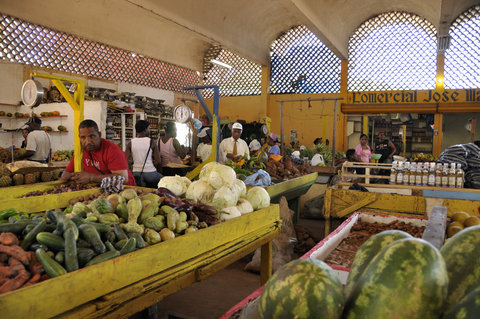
130,283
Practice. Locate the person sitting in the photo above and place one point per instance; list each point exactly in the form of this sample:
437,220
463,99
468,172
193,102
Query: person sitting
101,158
255,147
38,145
142,152
170,150
272,142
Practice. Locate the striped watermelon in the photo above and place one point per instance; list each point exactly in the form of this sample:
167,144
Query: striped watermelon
303,288
462,257
369,250
467,308
407,279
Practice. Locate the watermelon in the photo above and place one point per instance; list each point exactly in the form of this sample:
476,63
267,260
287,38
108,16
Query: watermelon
369,250
467,308
406,279
303,288
462,257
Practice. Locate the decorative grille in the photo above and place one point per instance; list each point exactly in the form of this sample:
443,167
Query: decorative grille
28,43
462,59
239,77
301,63
392,51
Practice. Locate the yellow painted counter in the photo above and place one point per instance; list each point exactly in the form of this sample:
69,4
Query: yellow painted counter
125,285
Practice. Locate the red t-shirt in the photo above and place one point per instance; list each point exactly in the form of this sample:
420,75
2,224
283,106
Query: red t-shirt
109,157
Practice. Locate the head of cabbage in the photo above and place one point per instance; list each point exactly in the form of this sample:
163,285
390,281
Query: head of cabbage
200,192
229,213
244,206
241,186
225,197
258,197
218,175
176,184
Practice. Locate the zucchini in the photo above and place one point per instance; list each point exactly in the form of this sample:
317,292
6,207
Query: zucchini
71,260
83,243
52,268
119,244
103,257
109,246
101,228
129,246
85,255
32,234
16,228
60,257
90,234
139,239
50,240
119,232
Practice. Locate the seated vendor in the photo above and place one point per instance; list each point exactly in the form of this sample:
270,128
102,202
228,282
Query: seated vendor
255,147
101,158
272,142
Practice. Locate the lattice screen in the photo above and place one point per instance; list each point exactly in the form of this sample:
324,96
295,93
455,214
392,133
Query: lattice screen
462,59
392,51
243,77
28,43
301,63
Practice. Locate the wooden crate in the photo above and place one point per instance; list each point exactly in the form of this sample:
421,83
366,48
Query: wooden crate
372,171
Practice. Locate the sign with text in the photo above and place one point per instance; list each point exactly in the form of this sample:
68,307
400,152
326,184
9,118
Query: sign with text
415,96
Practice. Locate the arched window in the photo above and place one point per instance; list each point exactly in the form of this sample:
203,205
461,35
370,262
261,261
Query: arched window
301,63
462,59
28,43
392,51
234,75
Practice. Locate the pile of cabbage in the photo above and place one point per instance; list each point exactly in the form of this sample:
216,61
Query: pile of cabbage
219,187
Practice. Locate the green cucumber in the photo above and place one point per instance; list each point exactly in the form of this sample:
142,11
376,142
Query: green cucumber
85,255
36,245
4,214
110,236
60,257
90,234
52,268
77,220
119,244
32,234
83,243
129,246
101,228
16,228
119,232
50,240
138,239
50,227
109,246
71,260
103,257
51,215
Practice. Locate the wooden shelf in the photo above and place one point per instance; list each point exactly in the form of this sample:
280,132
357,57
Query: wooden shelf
8,104
27,118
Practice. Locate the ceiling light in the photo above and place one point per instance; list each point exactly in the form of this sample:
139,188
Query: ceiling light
214,61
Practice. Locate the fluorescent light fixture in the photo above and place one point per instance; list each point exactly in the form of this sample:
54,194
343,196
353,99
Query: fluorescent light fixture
214,61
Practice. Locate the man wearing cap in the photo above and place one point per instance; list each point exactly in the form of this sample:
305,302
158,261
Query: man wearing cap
272,141
38,142
233,148
204,149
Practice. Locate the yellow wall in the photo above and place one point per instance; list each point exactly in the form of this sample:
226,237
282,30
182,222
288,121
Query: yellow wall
247,108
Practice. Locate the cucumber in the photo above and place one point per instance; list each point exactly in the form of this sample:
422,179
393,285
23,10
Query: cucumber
101,228
36,245
31,236
110,236
90,233
68,223
139,239
109,246
50,240
60,257
103,257
71,260
85,255
16,228
119,232
119,244
83,243
77,220
51,215
28,228
50,227
52,268
50,253
129,246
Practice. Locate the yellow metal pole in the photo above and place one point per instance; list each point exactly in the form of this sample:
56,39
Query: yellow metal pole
77,104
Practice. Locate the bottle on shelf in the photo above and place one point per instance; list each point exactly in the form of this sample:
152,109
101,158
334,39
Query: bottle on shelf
413,173
438,175
399,173
445,175
425,174
431,174
452,176
460,174
418,176
406,173
393,173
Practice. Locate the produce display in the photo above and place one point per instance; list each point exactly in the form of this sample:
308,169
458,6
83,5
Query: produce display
9,177
286,169
461,220
62,155
396,276
247,166
422,157
61,189
343,255
468,156
6,155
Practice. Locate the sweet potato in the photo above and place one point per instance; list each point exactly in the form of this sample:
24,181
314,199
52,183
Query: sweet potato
14,283
35,268
16,252
7,271
8,239
3,258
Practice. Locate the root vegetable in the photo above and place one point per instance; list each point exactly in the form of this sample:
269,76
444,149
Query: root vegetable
16,252
8,239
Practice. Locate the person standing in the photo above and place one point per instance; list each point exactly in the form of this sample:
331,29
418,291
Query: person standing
170,150
101,158
234,148
143,153
363,151
38,142
25,132
204,149
385,147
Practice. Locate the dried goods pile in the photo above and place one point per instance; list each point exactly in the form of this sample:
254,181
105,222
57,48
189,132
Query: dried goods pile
61,189
286,169
344,253
468,155
9,177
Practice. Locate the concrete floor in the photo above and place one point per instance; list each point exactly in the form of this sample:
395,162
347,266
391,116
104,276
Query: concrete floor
214,296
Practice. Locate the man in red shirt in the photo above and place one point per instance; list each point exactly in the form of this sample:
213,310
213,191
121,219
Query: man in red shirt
101,158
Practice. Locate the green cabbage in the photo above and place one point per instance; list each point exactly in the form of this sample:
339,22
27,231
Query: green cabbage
244,206
229,213
258,197
176,184
241,185
200,192
225,197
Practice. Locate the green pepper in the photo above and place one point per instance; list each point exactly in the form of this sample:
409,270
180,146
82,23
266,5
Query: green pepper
7,213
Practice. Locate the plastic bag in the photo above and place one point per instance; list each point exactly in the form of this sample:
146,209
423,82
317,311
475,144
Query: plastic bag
260,178
317,160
